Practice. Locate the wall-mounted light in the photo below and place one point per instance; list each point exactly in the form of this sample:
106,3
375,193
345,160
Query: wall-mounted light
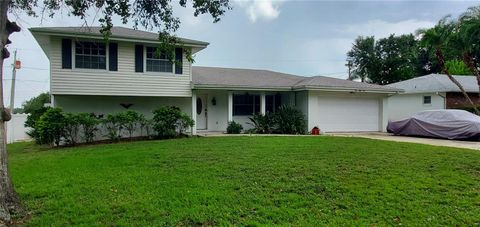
214,101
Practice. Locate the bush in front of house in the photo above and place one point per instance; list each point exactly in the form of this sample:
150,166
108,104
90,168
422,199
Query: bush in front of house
49,128
113,124
89,124
263,124
32,119
286,120
71,128
234,128
170,122
290,120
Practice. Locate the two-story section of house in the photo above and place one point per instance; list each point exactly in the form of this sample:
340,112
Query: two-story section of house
90,74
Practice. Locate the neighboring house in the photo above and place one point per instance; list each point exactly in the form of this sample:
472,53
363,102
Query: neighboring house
89,75
434,91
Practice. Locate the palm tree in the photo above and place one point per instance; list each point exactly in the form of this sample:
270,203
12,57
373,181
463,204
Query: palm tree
437,38
362,58
468,39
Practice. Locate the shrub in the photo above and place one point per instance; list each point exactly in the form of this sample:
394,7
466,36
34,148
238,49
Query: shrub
263,123
50,127
113,124
234,128
170,121
289,120
71,128
32,119
145,124
89,125
129,120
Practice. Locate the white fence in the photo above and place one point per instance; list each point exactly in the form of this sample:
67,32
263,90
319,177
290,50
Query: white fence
16,130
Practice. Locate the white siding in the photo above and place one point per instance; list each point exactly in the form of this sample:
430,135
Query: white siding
402,106
124,82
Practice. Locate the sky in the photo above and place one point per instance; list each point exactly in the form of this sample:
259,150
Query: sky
305,38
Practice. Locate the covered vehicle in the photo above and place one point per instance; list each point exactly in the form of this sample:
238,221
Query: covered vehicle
447,124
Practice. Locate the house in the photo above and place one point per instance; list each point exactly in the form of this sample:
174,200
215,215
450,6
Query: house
434,91
90,75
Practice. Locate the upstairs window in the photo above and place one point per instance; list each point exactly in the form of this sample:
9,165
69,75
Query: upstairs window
90,55
245,104
157,61
427,100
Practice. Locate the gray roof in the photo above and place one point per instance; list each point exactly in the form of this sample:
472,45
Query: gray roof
117,32
436,83
212,77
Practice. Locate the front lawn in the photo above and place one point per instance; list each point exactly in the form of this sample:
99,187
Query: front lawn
249,180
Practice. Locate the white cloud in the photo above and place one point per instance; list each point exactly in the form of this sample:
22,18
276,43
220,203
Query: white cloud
261,9
381,28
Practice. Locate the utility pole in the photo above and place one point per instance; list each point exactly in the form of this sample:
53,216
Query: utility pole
14,75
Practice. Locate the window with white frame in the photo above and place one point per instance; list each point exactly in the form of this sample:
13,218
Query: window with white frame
427,100
245,104
157,61
90,55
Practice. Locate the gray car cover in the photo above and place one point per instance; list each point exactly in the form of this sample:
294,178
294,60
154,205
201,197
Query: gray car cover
448,124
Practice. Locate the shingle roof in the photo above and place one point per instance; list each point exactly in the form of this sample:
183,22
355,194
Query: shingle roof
329,82
437,83
117,32
212,77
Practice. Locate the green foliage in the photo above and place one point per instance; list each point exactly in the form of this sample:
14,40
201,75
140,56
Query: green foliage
50,127
145,125
170,121
32,119
456,67
290,120
71,128
388,60
258,181
89,125
130,120
234,128
113,123
263,124
36,103
362,58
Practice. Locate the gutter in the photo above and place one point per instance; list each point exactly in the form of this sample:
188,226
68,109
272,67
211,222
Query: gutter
354,90
340,89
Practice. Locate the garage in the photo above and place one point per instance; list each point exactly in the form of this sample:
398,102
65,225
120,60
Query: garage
347,114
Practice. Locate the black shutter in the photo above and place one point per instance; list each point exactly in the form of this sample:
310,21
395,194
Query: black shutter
113,56
66,53
178,61
138,58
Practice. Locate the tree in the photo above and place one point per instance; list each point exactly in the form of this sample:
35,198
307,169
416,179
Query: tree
149,14
457,67
36,103
362,58
468,40
397,57
436,38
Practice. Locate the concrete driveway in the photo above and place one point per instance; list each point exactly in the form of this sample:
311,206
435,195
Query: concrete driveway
390,137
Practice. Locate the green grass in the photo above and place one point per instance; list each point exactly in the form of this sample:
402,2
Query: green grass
249,180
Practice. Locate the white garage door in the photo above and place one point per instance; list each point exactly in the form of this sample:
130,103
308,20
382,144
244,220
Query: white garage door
347,114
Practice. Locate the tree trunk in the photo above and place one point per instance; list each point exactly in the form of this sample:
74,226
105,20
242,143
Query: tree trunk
441,62
470,63
9,203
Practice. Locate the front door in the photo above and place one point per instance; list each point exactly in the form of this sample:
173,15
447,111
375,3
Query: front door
201,112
